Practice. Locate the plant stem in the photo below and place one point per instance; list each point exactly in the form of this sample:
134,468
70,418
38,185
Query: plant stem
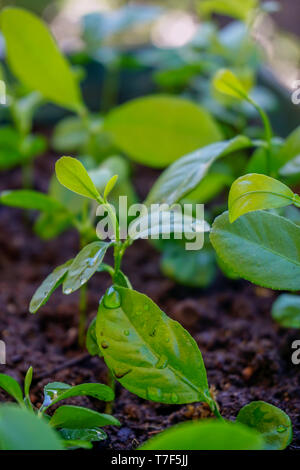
268,135
111,382
82,314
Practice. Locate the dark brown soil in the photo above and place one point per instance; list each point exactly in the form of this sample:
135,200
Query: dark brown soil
247,356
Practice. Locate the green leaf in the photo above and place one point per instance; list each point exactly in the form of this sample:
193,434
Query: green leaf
69,444
110,185
286,310
57,391
290,148
35,59
69,135
274,424
164,222
150,354
48,286
21,429
30,199
51,224
227,83
255,192
86,435
84,265
189,268
186,173
291,168
77,417
23,110
11,387
206,435
260,247
10,143
72,174
91,340
27,381
156,130
233,8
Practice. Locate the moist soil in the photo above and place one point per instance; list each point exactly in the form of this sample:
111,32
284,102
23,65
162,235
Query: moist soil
247,356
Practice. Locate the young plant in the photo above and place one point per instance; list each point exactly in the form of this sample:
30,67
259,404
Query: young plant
69,426
258,426
262,239
150,354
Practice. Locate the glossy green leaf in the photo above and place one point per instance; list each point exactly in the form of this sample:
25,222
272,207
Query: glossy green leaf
48,286
11,387
227,83
91,340
186,173
86,435
110,185
233,8
150,354
286,310
56,391
29,199
35,59
189,268
27,381
260,247
206,435
21,429
255,192
274,424
156,130
72,174
77,417
84,265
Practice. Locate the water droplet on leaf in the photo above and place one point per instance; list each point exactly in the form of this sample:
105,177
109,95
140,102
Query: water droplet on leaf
68,291
154,393
281,428
174,398
104,345
112,298
126,332
162,362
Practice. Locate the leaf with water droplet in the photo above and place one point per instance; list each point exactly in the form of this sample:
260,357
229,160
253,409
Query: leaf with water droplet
168,361
57,391
273,423
48,286
86,435
84,265
112,298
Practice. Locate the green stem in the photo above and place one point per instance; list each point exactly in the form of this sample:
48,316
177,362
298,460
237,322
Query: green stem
82,314
268,135
111,382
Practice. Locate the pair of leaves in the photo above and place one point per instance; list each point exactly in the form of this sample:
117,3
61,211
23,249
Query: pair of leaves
260,247
157,130
259,426
150,354
72,274
36,60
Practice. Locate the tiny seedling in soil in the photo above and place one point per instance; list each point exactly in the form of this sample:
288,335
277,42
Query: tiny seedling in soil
26,427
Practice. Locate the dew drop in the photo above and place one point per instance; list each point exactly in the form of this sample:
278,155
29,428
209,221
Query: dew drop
152,332
174,398
68,291
154,393
104,345
112,298
162,362
281,428
126,332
